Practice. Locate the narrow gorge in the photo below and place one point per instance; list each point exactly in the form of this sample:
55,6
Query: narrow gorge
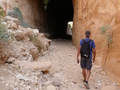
86,15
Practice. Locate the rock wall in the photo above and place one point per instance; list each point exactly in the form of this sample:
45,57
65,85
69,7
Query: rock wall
92,15
33,12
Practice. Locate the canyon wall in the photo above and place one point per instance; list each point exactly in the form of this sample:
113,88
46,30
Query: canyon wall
92,15
33,11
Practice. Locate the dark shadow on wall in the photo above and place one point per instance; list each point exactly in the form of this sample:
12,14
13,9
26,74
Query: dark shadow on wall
59,12
40,17
54,19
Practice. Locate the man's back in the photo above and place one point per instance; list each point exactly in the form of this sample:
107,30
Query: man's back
92,45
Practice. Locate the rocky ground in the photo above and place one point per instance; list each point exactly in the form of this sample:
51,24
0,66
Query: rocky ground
34,62
65,73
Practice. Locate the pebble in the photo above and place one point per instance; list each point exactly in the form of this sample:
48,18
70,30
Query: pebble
34,82
48,83
96,86
56,83
97,67
3,82
15,89
1,78
51,87
15,83
36,78
21,77
81,86
28,88
6,84
21,83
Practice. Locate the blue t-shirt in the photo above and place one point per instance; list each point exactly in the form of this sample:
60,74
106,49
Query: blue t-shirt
92,45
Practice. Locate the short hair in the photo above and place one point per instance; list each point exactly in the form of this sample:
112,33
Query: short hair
87,33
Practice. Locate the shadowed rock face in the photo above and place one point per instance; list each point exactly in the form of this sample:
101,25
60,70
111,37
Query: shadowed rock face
39,14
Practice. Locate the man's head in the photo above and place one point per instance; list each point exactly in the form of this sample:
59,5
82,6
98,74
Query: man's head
87,33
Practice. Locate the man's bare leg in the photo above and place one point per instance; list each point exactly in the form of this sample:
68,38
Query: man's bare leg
84,73
88,75
87,78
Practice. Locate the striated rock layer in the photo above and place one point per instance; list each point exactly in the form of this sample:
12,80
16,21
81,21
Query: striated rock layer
93,15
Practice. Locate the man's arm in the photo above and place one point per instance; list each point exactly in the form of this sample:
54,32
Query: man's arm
78,53
94,54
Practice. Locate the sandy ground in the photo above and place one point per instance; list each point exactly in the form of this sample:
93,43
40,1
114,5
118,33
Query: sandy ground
63,54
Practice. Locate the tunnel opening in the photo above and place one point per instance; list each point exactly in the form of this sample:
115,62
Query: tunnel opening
59,13
54,19
69,28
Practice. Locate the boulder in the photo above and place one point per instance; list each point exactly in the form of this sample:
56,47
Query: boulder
19,35
8,18
35,53
42,35
36,32
43,66
29,32
14,26
4,23
109,88
46,42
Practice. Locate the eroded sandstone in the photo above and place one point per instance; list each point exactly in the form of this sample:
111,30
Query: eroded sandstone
92,15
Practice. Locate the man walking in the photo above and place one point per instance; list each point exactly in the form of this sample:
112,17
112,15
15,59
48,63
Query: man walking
86,48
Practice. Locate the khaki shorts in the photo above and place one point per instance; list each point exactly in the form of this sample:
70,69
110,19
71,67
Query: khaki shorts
86,63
